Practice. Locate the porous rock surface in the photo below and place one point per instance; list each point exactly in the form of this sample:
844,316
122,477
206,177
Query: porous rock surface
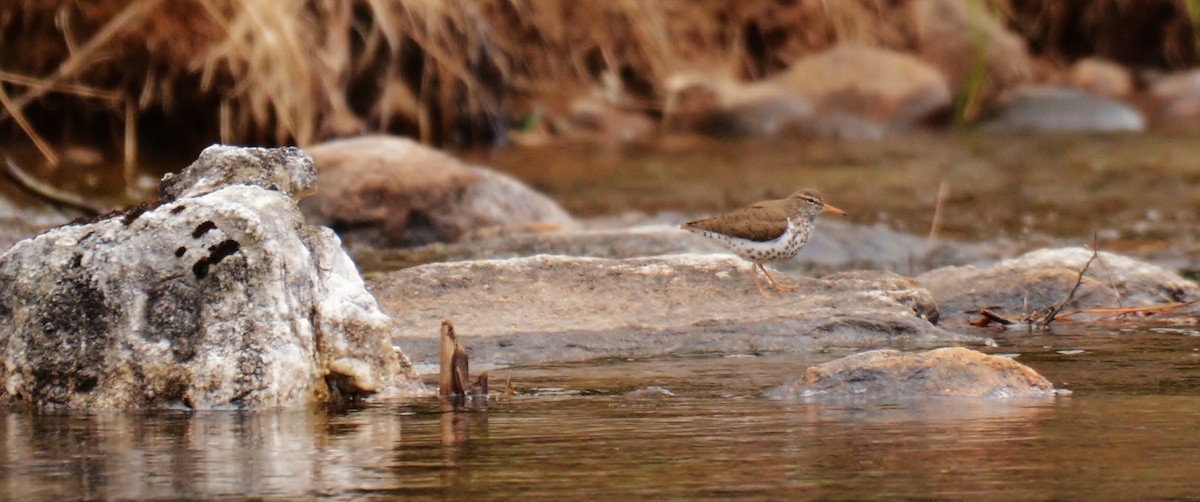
890,374
215,296
557,308
1044,278
388,191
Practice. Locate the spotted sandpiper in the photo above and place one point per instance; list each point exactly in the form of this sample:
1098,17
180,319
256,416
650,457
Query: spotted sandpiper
767,231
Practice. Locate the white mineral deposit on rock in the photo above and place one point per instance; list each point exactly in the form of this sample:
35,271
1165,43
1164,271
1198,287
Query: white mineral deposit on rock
216,296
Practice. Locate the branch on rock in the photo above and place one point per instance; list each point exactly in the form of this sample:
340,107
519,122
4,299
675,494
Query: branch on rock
1049,317
1120,312
1043,317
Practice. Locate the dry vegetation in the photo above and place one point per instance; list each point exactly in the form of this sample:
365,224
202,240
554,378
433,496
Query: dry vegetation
172,73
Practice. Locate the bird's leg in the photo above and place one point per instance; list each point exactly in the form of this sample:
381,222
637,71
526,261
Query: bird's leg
757,281
779,286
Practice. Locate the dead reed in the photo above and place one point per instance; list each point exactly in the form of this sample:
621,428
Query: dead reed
461,71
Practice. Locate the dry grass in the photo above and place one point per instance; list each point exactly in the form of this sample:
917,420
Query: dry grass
287,72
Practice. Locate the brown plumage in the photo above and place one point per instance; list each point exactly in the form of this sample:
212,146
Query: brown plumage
772,230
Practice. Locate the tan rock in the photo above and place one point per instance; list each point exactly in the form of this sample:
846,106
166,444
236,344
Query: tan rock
877,85
891,374
850,91
1101,77
391,191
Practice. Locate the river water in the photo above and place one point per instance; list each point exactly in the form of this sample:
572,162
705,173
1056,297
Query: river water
685,428
695,426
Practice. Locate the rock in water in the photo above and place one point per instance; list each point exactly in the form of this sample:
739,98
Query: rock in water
1043,278
216,296
889,374
386,191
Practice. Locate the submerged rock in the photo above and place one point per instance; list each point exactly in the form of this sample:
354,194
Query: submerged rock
217,295
555,308
1043,278
389,191
891,374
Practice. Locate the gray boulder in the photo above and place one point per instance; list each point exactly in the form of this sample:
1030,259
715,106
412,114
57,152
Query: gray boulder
891,374
1043,278
555,308
1053,109
215,296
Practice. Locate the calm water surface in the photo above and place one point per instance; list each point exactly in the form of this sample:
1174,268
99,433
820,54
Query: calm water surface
604,430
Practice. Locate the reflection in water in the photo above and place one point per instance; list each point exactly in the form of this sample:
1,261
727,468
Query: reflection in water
610,446
714,438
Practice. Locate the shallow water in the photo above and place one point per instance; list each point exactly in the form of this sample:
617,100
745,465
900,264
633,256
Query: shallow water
603,430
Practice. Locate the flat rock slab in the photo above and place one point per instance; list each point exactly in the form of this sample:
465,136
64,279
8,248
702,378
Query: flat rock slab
891,374
556,308
836,246
1044,278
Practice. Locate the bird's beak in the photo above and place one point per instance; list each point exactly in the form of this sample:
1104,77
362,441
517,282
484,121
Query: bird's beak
830,209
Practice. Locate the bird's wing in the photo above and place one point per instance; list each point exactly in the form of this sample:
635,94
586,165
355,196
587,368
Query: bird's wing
746,223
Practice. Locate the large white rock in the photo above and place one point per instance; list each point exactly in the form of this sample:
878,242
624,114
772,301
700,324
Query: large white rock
217,295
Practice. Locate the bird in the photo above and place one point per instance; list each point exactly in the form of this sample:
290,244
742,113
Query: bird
766,231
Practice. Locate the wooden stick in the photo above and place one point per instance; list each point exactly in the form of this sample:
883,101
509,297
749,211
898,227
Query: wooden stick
943,194
19,117
63,87
1078,280
48,193
130,145
446,363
